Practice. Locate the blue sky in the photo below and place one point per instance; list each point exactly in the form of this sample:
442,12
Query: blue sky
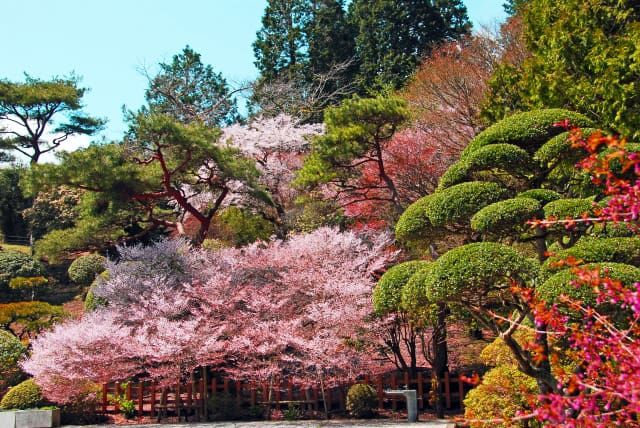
107,42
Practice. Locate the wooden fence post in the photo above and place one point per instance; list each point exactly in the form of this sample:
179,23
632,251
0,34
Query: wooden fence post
420,391
394,385
105,399
204,395
461,390
116,406
380,391
140,398
278,386
153,399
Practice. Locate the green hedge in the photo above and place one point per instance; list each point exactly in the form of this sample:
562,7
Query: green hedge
506,157
544,196
501,217
388,292
84,269
593,250
362,401
527,130
14,264
460,202
568,208
560,147
414,221
26,395
475,268
11,351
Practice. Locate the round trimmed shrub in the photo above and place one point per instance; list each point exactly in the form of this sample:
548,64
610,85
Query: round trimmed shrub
544,196
91,301
14,264
593,250
506,157
568,208
560,147
388,291
476,268
414,221
84,269
501,217
362,401
414,298
527,130
25,395
503,393
11,351
459,202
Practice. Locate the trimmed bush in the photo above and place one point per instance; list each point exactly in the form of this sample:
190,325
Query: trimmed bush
506,157
501,217
414,295
497,353
560,147
568,208
11,350
14,264
91,301
84,269
474,268
503,393
362,401
527,130
544,196
388,292
29,318
593,250
26,395
414,221
459,202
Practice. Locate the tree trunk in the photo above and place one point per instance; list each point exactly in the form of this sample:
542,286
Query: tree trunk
440,355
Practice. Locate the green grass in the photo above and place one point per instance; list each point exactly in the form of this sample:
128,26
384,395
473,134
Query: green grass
22,248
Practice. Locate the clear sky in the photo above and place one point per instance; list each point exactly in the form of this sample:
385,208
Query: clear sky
108,41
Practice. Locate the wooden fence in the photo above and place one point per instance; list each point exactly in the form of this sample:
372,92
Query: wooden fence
191,397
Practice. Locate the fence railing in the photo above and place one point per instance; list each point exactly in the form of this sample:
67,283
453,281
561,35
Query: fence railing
191,397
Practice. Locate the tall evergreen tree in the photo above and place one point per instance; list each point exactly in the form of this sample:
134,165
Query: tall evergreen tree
393,35
330,36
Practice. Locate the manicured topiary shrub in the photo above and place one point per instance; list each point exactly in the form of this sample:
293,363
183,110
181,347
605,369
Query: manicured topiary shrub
503,393
544,196
26,395
459,202
11,351
568,208
592,250
413,221
388,292
497,353
472,269
414,294
501,217
84,269
14,264
91,301
506,157
560,147
527,130
362,401
561,282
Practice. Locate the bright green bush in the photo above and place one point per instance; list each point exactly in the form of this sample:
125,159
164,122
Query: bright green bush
501,217
473,269
497,353
242,227
544,196
26,395
560,283
414,221
388,292
414,300
11,351
593,250
362,400
506,157
459,202
527,130
568,208
84,269
560,147
504,391
91,301
14,264
215,244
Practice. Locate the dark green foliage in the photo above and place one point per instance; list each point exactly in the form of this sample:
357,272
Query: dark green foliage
592,250
329,36
559,148
527,130
188,90
11,351
560,283
84,269
388,292
474,269
14,264
568,208
362,400
222,407
501,218
12,202
52,210
505,157
58,101
241,227
414,298
459,202
414,221
394,35
26,395
544,196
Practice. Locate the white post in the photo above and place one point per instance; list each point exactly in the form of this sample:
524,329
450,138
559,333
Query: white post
412,402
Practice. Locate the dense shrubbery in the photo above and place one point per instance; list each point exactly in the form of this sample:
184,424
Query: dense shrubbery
461,201
501,217
84,269
11,351
362,400
26,395
16,264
